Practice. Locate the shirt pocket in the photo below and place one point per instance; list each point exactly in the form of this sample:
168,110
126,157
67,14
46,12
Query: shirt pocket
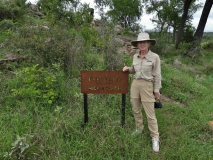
137,67
147,67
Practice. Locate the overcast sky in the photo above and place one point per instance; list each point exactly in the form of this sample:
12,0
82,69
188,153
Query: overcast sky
145,20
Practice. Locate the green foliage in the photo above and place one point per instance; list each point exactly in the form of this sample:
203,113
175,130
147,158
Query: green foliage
207,36
128,32
12,9
188,33
164,47
7,24
112,60
84,16
208,69
3,36
125,12
72,12
91,37
169,13
101,44
35,83
207,45
54,10
91,62
41,45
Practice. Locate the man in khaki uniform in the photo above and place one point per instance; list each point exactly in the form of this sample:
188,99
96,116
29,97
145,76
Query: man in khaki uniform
145,86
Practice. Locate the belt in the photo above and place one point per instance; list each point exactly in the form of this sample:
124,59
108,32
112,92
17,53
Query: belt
149,80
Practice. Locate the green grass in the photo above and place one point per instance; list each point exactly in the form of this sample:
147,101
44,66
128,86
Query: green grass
184,133
30,130
57,132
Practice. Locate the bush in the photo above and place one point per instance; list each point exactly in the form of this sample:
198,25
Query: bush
7,24
35,83
188,33
44,46
209,69
207,45
12,9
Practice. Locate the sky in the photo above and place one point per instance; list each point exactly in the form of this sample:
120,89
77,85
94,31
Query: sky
145,20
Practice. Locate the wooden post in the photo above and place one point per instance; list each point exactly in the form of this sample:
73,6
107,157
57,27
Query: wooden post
85,109
123,110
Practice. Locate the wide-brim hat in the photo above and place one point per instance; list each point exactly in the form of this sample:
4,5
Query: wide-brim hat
143,37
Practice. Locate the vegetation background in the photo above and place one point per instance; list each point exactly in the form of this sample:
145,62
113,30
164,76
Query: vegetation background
42,52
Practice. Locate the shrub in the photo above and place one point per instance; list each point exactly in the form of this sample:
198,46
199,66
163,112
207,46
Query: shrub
207,45
188,33
7,24
35,83
12,9
208,70
45,46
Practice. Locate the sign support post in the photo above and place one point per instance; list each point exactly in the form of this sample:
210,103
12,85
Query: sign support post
123,109
85,109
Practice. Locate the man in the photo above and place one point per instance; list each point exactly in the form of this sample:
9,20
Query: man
147,80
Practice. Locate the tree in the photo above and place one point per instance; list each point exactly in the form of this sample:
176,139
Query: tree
183,21
194,48
71,11
172,14
203,19
188,10
123,12
167,14
56,8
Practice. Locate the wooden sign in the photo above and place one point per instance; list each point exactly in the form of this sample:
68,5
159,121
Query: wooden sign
104,82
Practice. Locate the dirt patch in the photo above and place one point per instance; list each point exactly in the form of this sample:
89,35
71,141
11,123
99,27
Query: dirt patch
164,98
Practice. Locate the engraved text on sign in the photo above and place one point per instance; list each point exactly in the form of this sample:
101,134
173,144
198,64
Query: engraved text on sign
104,82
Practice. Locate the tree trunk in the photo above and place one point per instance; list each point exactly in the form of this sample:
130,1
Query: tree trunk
202,23
173,34
194,49
183,21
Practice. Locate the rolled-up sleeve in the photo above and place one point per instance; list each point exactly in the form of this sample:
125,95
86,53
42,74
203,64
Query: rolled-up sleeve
131,69
157,75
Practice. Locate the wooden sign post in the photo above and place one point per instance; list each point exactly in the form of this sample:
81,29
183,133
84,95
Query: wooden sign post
104,82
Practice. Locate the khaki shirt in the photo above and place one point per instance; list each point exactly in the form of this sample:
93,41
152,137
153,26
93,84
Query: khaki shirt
147,68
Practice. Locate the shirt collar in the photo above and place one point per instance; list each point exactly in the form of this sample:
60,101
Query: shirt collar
146,56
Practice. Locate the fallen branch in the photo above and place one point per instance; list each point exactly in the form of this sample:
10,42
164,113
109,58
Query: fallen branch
18,59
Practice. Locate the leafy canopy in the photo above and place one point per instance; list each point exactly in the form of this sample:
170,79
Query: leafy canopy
123,12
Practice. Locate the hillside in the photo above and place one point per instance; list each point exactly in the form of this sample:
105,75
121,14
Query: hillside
41,104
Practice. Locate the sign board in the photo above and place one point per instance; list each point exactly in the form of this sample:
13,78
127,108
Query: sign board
104,82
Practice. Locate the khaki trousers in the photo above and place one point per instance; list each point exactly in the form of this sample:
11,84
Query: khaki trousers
142,95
